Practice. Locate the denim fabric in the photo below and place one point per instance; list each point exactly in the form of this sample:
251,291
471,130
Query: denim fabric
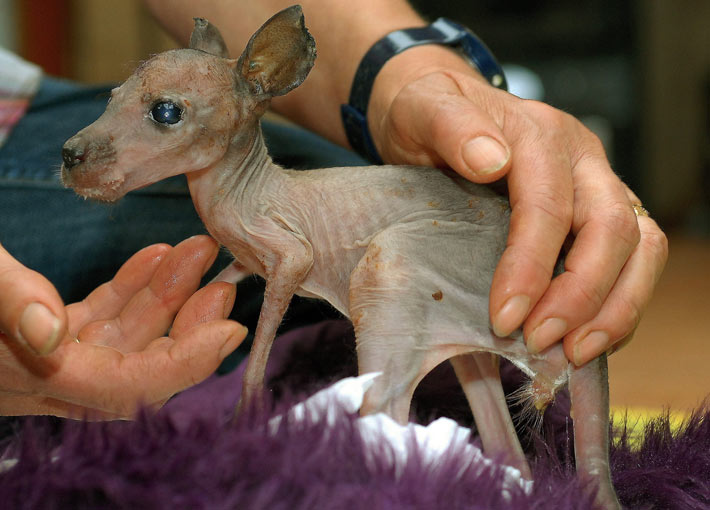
79,244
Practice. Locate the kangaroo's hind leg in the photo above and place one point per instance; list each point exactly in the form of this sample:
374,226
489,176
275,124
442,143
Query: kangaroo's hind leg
589,392
479,376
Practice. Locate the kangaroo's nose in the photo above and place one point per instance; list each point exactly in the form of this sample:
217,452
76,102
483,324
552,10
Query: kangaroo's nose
72,155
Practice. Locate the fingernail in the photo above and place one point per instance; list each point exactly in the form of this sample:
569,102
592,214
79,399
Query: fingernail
547,333
590,346
233,342
484,155
511,315
39,328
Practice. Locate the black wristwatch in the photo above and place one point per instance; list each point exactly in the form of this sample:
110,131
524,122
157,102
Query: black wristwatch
442,31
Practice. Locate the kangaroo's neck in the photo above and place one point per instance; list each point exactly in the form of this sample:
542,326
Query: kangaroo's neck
246,169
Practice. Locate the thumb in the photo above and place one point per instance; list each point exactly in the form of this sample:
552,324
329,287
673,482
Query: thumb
31,311
468,139
436,121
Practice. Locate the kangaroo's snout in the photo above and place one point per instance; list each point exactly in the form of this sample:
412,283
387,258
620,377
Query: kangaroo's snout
90,148
87,161
72,154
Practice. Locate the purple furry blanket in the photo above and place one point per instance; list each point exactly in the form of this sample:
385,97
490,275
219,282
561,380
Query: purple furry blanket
192,455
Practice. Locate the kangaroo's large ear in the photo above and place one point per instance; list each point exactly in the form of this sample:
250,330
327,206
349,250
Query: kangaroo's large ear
206,37
279,55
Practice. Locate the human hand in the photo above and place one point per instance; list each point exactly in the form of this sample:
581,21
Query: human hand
121,359
31,311
560,184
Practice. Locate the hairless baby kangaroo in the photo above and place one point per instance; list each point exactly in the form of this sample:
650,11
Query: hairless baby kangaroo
408,253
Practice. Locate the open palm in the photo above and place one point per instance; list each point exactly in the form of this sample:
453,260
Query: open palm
115,356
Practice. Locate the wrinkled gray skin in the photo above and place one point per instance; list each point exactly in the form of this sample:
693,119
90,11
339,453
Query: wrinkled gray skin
407,253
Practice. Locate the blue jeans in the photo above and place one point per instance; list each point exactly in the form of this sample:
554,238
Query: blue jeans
79,244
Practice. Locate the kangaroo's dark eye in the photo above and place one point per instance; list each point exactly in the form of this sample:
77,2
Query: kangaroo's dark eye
166,112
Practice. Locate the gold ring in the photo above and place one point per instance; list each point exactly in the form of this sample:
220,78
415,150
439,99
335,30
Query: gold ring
639,210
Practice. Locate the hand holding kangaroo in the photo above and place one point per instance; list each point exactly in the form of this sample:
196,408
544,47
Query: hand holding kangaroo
407,253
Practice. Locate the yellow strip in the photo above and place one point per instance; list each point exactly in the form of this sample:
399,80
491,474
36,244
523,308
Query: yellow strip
637,417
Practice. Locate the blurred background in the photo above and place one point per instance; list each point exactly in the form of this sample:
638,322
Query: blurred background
636,72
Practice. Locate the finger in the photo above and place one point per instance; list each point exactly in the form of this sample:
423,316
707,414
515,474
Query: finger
149,313
606,234
598,254
541,198
212,302
627,300
31,310
438,125
107,300
104,379
198,352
